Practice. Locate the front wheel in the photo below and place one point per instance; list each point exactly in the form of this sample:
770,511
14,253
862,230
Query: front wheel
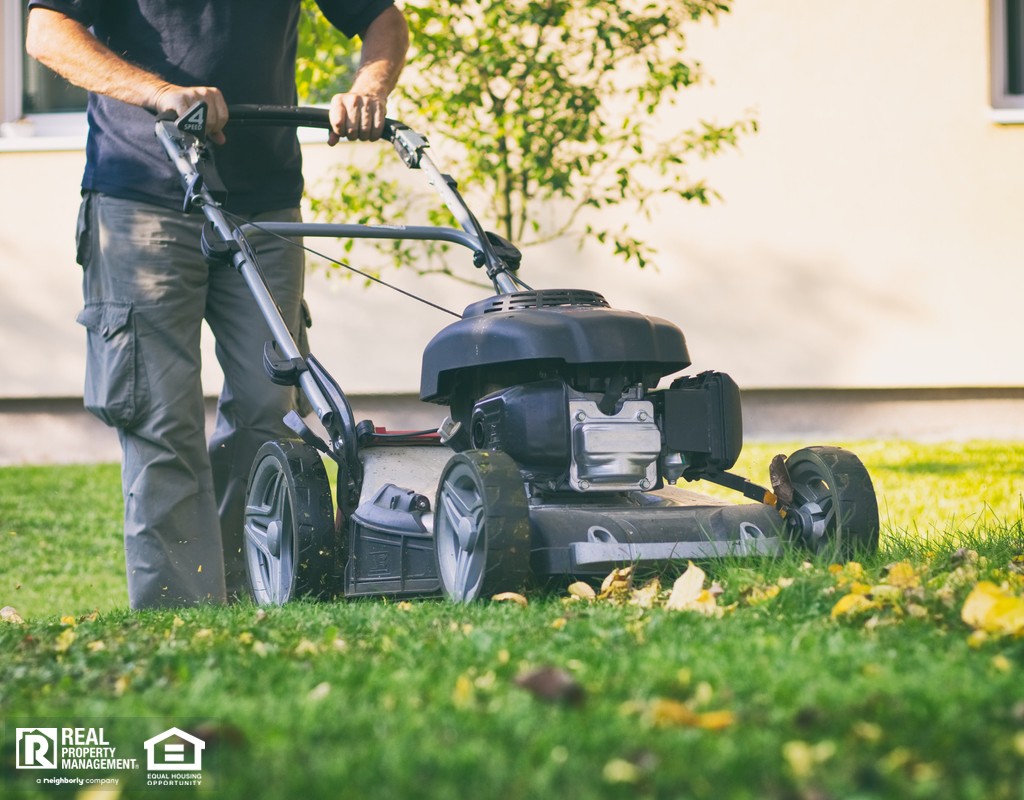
289,524
481,526
835,510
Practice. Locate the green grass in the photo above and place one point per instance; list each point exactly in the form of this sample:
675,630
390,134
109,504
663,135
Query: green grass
420,699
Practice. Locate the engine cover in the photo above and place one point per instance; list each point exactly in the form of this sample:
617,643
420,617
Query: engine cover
539,332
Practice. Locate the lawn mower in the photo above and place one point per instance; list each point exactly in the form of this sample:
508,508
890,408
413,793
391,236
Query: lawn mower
561,451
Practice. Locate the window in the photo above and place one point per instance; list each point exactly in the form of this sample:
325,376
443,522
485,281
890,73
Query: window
38,108
1007,31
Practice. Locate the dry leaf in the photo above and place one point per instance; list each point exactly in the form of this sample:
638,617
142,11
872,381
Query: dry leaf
584,591
668,713
553,685
886,593
761,594
991,609
319,692
617,583
65,639
785,583
68,621
513,597
9,614
715,720
902,576
559,623
852,604
687,589
647,596
95,647
405,605
306,647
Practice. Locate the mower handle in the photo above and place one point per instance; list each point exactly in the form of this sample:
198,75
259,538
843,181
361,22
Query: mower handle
294,116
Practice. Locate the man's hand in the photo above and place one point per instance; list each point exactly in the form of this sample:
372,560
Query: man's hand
180,99
359,113
356,117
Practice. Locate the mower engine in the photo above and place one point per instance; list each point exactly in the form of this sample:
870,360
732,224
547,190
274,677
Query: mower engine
565,386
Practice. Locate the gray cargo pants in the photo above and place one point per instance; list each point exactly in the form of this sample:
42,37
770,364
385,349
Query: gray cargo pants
147,290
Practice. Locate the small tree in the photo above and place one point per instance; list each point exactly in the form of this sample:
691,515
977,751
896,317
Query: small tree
546,100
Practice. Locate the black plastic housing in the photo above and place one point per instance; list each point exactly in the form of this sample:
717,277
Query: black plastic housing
529,422
527,336
703,419
390,551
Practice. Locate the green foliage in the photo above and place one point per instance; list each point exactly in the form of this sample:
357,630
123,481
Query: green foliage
555,102
326,61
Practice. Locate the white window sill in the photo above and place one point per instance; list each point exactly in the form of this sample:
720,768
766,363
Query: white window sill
1006,116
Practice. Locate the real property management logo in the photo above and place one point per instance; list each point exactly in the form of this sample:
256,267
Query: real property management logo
37,748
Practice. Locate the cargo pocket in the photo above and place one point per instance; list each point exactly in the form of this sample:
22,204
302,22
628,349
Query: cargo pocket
113,390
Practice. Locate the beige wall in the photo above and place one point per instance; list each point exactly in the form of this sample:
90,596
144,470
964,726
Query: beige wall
872,232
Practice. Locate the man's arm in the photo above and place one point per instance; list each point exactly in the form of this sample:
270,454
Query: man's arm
359,112
67,47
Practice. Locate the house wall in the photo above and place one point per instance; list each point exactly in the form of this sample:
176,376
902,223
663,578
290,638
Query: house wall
870,233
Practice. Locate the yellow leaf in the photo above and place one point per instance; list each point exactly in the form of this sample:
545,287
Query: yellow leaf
95,647
617,582
799,757
584,591
902,576
68,621
513,597
920,612
245,637
859,588
785,583
319,692
851,605
618,770
687,589
991,609
405,605
260,649
559,623
306,647
760,594
203,633
1018,743
9,614
835,569
462,696
1001,663
716,720
886,593
868,731
65,639
177,622
647,596
121,685
667,713
977,639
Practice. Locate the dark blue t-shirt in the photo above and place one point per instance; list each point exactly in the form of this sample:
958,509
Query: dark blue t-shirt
244,48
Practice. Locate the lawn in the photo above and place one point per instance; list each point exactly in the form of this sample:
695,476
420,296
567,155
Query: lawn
773,694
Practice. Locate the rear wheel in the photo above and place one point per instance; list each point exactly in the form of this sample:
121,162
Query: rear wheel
836,513
481,526
289,524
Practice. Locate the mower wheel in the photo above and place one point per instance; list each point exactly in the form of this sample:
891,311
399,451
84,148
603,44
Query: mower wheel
836,513
289,524
481,526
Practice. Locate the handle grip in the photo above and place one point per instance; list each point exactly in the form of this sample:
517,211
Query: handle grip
292,116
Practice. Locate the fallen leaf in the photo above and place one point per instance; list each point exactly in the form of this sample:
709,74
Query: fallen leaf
963,555
885,593
617,583
852,604
991,609
260,649
462,695
102,792
618,770
868,731
584,591
559,623
687,589
65,639
245,637
553,685
919,612
9,614
902,576
1001,663
647,596
977,639
306,647
716,720
785,583
319,692
68,621
761,594
95,647
260,615
177,622
672,713
405,605
203,633
513,597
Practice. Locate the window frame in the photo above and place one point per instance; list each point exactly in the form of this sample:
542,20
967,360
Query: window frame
1006,108
58,130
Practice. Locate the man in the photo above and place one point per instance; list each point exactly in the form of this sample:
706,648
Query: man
147,287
